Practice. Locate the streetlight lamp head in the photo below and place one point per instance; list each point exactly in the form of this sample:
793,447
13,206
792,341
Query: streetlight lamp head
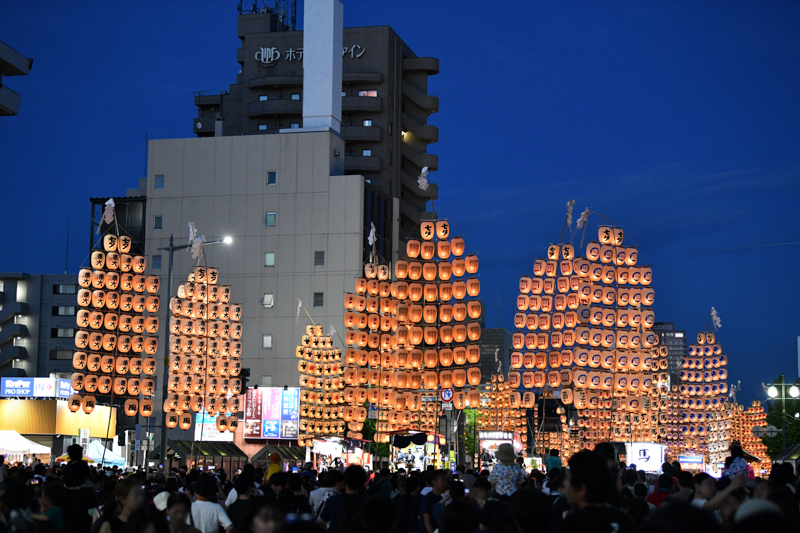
772,391
794,392
227,240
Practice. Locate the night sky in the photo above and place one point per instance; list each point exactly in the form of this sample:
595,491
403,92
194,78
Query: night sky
679,121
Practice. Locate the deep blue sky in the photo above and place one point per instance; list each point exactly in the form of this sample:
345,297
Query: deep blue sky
680,121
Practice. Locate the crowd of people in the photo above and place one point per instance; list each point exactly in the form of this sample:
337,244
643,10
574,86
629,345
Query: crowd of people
591,492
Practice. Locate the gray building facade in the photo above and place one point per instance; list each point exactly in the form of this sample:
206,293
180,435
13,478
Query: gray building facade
385,111
495,344
37,323
675,341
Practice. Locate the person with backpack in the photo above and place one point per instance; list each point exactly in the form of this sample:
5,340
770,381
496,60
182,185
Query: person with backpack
342,512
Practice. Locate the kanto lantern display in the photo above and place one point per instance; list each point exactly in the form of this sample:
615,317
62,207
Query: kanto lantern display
583,335
323,409
706,416
500,407
115,343
408,339
205,349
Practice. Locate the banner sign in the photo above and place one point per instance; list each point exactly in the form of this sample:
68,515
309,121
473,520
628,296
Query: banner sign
272,413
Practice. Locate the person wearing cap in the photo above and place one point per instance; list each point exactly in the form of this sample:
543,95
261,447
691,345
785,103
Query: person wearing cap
207,515
506,475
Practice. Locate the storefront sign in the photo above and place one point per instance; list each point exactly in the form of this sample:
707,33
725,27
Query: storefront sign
84,440
272,413
691,459
35,387
205,429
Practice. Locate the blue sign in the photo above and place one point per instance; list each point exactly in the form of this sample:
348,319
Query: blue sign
16,386
690,459
281,411
64,388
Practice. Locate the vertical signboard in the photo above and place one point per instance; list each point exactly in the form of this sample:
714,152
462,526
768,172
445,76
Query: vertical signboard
83,436
272,413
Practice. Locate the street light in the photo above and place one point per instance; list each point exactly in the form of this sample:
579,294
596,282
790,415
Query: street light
782,394
172,249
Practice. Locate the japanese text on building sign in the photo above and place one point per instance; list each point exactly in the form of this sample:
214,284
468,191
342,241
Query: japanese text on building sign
269,56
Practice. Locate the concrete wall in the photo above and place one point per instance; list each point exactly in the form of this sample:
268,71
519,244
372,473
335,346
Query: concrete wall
220,184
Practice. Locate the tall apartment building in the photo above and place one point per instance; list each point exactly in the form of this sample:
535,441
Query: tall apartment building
675,341
37,323
384,122
495,345
12,63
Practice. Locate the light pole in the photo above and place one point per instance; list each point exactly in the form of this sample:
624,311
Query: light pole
773,392
172,249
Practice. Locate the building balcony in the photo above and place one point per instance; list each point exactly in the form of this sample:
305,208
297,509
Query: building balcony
9,102
361,133
12,331
276,81
428,102
276,107
361,77
208,99
420,159
362,163
426,132
427,64
11,353
204,125
361,103
11,309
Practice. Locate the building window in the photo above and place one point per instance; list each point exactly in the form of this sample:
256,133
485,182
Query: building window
366,122
269,259
155,263
368,93
65,289
266,381
262,127
296,96
63,310
158,222
319,259
270,219
62,333
366,152
294,125
344,93
319,299
272,177
266,342
60,355
159,184
263,98
268,300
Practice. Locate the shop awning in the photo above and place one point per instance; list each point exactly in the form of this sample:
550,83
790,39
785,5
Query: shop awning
13,442
290,453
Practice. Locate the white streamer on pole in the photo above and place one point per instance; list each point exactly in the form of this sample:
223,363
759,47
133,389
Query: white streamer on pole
372,238
570,205
584,217
715,318
299,306
422,179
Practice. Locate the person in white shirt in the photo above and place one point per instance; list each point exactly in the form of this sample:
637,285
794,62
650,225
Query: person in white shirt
207,515
331,483
706,495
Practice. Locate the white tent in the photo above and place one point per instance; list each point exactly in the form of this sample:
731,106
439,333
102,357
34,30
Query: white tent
96,452
12,442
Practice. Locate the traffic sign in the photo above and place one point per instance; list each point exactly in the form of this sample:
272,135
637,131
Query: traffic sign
758,431
446,394
772,431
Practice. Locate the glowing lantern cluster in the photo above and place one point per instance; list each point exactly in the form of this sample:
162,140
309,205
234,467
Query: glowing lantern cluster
409,338
584,329
744,420
205,347
706,419
115,342
323,409
502,407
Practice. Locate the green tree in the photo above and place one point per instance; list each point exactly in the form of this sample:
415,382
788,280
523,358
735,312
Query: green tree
377,450
471,432
775,414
